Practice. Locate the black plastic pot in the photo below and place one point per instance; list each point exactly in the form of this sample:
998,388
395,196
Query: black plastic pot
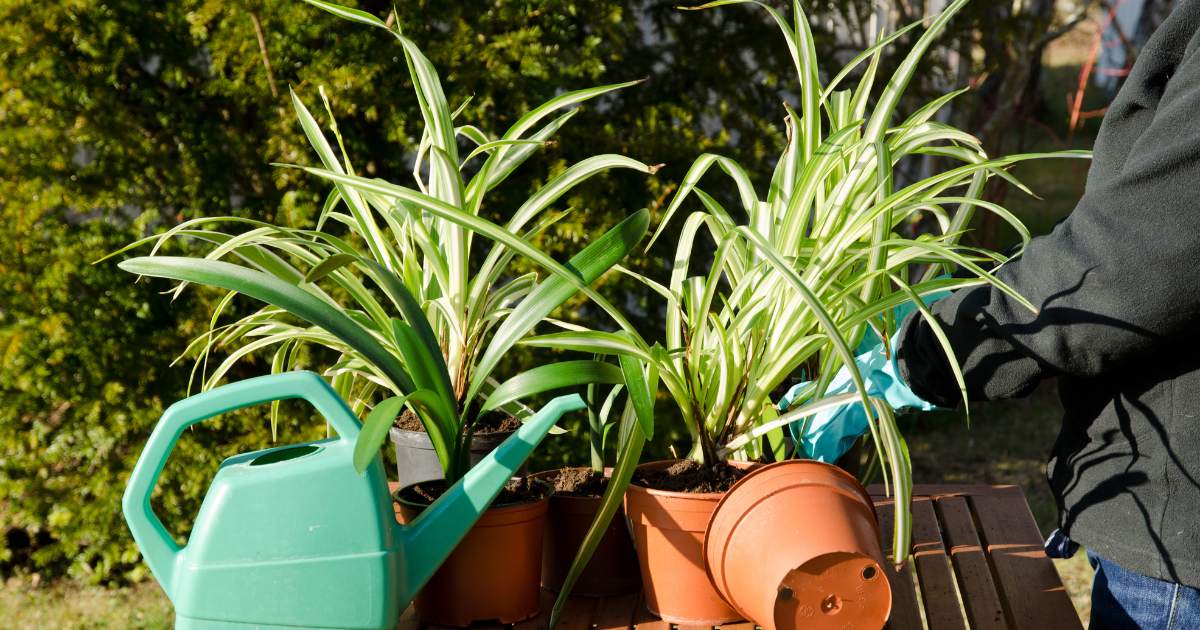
416,461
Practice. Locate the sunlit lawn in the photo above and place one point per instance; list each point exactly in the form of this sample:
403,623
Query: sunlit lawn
74,607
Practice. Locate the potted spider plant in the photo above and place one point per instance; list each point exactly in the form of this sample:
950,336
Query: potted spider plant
417,330
818,264
578,494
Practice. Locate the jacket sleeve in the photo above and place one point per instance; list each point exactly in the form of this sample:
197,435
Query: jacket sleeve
1115,282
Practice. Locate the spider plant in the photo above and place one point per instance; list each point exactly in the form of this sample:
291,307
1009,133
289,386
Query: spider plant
600,422
415,327
819,260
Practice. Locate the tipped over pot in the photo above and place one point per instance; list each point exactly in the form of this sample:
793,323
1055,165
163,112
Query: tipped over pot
613,567
795,545
669,530
494,575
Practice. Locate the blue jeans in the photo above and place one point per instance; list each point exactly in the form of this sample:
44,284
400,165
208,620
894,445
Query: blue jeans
1123,600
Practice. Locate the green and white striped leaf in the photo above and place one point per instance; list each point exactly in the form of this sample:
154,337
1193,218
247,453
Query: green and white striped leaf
549,377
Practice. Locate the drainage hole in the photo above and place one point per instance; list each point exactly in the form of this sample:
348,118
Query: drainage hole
831,605
870,573
785,594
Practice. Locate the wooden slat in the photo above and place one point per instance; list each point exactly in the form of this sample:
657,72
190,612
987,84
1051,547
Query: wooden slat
980,598
935,490
409,620
656,624
616,612
906,613
577,614
1029,585
738,626
542,621
643,619
933,570
683,627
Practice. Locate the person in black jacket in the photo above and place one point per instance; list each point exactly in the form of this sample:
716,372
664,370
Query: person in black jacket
1117,286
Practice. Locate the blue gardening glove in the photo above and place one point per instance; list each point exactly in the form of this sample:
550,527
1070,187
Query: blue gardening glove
832,432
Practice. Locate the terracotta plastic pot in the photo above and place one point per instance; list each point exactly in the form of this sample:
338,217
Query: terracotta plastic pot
494,575
796,545
669,530
613,568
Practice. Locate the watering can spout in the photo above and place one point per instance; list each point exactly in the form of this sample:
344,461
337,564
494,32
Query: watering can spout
428,540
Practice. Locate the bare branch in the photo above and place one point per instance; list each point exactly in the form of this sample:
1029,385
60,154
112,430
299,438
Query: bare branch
1075,18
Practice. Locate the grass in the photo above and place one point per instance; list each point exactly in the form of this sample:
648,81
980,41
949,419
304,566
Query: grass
67,605
1007,442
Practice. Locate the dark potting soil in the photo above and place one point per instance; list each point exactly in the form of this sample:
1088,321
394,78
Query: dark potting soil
580,482
525,490
494,421
689,476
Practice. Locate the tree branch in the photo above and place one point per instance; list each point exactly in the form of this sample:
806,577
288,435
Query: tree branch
1078,16
262,47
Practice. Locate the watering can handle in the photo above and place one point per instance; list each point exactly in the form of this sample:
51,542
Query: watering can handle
161,551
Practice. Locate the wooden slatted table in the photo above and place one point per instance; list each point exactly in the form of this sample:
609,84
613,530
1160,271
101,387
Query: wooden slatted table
977,558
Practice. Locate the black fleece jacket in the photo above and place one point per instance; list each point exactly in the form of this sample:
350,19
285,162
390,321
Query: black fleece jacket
1117,285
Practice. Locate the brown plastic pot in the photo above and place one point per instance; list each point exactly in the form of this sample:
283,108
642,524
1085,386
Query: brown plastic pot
493,575
613,567
669,530
796,545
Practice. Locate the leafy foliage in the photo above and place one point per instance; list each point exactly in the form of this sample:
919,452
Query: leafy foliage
86,376
440,355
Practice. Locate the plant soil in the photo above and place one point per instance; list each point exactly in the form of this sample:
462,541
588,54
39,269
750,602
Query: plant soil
583,483
526,490
690,477
494,421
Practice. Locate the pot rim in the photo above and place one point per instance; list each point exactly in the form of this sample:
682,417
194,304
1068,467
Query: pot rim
666,463
863,494
832,468
502,506
549,475
420,439
399,430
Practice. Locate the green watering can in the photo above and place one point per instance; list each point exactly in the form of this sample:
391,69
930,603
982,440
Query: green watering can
293,537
